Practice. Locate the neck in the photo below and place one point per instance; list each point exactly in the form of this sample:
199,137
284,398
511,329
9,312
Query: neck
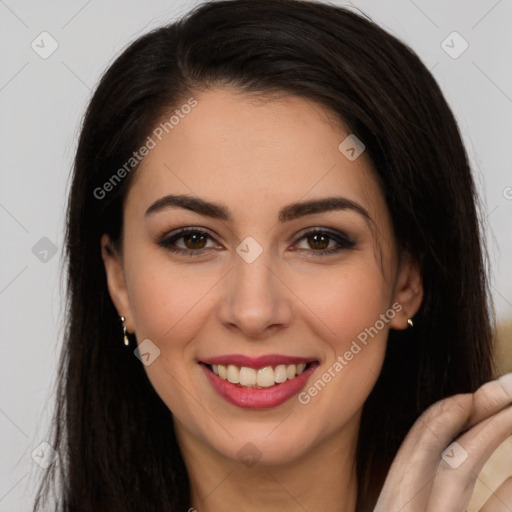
322,479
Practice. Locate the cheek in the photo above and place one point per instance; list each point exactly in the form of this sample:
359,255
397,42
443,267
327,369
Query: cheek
352,308
170,304
167,299
344,300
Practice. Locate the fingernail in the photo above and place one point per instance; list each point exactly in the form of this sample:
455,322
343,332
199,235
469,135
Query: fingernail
506,383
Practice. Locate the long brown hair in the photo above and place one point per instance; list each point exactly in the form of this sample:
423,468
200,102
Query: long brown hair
115,436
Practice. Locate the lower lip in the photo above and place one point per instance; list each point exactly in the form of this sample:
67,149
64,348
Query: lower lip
265,398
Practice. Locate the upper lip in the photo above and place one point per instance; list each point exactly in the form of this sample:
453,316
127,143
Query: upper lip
257,362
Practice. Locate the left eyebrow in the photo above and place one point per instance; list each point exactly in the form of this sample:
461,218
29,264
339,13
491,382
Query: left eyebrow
287,213
300,209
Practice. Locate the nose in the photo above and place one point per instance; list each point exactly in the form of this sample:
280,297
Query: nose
255,301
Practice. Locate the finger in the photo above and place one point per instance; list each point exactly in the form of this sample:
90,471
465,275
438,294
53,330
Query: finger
415,464
444,420
490,398
459,468
501,499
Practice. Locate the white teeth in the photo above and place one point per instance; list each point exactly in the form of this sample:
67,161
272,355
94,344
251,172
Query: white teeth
223,371
265,377
262,378
247,376
233,374
280,373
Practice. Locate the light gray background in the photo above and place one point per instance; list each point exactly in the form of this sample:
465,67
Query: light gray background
42,101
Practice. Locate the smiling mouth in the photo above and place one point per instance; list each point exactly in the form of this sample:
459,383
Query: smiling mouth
259,378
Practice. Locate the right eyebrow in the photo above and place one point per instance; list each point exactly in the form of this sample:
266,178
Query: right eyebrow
200,206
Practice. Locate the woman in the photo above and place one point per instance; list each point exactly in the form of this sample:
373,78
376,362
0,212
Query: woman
275,277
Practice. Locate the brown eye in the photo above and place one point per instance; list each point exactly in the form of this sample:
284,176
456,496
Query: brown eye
188,241
318,241
195,241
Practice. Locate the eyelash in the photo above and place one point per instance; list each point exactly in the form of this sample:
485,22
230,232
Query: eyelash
343,242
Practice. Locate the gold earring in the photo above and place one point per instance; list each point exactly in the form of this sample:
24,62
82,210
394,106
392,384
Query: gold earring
125,337
410,323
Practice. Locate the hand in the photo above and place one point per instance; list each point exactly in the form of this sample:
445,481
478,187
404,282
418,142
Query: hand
431,473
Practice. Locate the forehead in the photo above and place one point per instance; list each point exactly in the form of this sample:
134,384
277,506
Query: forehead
254,154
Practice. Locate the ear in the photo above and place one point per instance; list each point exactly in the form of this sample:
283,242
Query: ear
408,291
115,280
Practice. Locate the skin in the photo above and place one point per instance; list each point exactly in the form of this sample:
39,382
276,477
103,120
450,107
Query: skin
271,152
485,418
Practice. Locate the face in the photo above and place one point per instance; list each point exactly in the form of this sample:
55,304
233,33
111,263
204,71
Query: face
286,279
